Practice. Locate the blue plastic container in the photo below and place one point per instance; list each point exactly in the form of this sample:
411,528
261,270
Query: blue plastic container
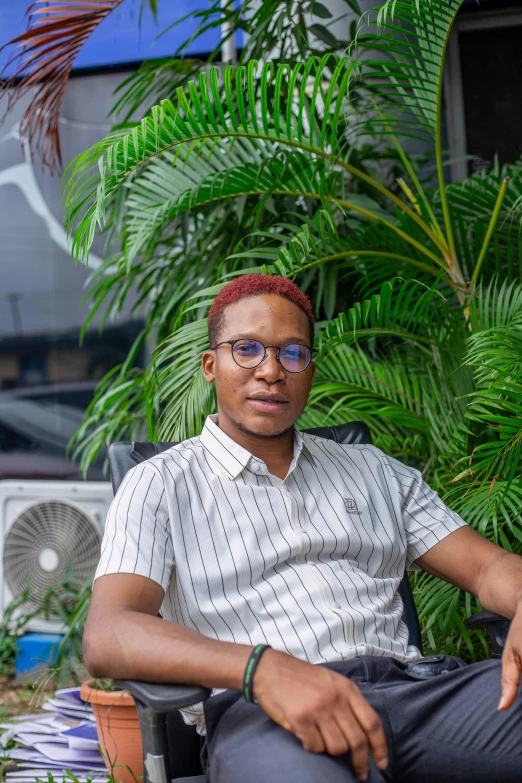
35,652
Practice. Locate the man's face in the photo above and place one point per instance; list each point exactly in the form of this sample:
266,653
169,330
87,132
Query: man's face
267,400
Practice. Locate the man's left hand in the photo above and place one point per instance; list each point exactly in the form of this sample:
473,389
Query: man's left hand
512,662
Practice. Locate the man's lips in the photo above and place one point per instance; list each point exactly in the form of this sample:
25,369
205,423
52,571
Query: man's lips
268,403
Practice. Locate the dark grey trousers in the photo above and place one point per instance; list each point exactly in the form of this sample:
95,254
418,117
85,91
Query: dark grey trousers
444,730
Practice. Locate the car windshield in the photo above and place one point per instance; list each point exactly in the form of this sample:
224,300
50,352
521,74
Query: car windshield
47,421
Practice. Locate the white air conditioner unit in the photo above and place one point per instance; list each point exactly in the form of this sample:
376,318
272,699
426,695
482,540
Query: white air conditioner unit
49,531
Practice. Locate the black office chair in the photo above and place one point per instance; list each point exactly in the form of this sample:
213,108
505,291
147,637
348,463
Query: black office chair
171,749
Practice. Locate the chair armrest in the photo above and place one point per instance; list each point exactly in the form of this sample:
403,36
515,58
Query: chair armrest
161,697
153,702
495,624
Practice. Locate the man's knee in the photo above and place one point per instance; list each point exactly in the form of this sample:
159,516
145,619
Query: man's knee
248,745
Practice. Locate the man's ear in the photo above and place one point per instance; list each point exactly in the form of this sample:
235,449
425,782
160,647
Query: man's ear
208,363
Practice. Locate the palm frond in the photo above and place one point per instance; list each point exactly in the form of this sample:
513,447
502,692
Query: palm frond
320,241
494,512
385,394
115,413
221,148
494,306
178,191
407,80
495,354
180,389
473,199
199,129
403,309
484,215
43,58
269,26
411,38
442,607
500,406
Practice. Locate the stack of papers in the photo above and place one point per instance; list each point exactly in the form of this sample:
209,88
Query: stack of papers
63,739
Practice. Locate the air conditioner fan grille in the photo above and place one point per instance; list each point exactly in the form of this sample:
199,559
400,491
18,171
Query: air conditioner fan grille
50,541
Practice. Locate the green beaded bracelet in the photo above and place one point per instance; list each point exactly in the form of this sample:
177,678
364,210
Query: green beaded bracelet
248,679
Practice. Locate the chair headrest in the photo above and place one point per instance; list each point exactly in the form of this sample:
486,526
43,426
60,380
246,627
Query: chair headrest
126,454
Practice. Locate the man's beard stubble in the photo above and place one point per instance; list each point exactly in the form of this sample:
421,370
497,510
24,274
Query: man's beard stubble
253,434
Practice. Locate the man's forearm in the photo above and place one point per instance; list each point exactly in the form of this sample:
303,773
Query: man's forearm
501,587
131,645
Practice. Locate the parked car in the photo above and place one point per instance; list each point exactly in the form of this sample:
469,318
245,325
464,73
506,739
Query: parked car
78,394
33,440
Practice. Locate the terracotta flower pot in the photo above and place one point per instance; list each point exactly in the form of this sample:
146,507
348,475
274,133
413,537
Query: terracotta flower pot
118,731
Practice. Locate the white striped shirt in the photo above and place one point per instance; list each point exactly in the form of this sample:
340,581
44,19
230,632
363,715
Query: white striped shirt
309,564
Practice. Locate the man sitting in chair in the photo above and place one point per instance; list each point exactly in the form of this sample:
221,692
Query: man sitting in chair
275,557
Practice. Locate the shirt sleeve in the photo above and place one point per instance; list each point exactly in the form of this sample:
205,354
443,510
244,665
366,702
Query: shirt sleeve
427,520
137,537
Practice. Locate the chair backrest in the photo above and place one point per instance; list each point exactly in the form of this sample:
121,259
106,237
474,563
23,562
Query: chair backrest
126,454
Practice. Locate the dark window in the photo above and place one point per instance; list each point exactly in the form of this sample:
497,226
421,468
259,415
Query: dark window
491,63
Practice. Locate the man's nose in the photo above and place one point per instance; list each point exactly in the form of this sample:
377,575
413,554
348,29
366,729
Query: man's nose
270,369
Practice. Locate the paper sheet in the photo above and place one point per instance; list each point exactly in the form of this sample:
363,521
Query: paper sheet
72,694
31,726
66,755
29,740
42,746
82,737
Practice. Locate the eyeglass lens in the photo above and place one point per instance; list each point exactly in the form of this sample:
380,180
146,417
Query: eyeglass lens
249,353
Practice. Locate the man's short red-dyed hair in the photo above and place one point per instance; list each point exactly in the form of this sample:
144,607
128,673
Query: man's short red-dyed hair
254,285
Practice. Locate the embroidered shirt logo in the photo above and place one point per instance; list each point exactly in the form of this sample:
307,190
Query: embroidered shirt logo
351,506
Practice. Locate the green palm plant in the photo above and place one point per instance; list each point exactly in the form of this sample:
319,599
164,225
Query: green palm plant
415,334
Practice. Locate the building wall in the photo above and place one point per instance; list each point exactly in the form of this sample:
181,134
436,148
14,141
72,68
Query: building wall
42,289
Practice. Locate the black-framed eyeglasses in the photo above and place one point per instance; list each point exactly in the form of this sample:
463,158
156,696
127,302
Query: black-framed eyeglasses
293,357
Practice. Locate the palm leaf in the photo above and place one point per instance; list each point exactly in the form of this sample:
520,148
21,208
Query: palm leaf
493,307
270,26
227,148
402,309
408,82
501,407
196,128
490,511
43,58
383,393
411,39
487,199
115,413
495,353
180,388
319,242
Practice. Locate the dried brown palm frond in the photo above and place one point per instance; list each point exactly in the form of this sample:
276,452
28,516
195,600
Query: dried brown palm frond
44,56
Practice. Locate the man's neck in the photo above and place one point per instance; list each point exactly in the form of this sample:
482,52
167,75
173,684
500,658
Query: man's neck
276,453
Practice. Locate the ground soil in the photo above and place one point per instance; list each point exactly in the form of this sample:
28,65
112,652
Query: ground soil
21,698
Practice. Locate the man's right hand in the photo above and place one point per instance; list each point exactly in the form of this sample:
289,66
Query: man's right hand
325,710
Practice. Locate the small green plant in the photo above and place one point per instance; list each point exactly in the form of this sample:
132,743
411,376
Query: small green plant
70,604
102,685
64,601
68,776
15,620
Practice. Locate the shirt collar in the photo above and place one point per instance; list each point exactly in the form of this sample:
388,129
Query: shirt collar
233,457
